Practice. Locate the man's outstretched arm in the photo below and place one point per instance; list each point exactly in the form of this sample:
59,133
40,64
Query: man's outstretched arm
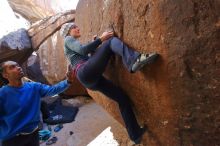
50,90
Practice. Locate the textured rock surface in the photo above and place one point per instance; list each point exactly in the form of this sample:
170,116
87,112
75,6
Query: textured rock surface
52,60
178,97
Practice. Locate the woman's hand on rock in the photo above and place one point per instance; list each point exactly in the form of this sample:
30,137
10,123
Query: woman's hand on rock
106,35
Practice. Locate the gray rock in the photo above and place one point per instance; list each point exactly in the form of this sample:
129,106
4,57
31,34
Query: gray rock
17,40
15,46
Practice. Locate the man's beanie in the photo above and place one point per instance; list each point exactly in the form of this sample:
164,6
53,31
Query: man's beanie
65,29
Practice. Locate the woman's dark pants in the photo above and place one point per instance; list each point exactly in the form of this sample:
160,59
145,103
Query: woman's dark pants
90,75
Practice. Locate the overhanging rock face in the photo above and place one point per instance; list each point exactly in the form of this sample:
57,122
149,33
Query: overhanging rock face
32,10
178,96
43,29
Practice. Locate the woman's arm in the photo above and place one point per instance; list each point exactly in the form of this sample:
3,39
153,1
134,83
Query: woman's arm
75,45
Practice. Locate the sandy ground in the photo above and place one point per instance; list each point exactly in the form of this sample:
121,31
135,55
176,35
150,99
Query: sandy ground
93,126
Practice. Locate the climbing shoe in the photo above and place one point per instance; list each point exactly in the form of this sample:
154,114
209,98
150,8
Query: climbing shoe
144,59
141,133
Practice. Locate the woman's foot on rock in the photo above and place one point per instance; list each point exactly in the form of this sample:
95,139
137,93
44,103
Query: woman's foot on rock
143,60
139,138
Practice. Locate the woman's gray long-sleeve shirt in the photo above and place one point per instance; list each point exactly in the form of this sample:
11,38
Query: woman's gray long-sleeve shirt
76,52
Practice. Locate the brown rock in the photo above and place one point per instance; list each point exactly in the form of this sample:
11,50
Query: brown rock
76,89
52,60
186,35
107,104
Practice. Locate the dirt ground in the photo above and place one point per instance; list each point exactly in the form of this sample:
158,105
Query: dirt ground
93,126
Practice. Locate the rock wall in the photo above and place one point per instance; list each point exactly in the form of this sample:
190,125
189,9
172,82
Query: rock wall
178,97
52,60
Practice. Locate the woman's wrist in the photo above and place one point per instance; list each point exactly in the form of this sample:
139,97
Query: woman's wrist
101,39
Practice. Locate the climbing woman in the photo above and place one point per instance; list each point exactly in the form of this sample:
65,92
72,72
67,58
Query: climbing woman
89,70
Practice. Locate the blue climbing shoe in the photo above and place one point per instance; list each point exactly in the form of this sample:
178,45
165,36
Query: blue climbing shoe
143,60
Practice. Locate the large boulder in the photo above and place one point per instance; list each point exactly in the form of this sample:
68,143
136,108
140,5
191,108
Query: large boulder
178,96
15,46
